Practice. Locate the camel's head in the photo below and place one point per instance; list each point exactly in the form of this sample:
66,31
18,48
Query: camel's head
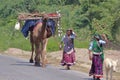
53,21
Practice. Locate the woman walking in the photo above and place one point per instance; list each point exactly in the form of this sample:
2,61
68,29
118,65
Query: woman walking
68,57
96,55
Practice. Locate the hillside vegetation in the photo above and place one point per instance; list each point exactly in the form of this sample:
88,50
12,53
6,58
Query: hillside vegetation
86,17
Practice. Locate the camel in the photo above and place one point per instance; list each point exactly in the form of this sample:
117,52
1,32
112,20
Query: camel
38,38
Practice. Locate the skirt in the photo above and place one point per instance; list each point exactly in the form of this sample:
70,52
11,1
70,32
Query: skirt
97,66
68,59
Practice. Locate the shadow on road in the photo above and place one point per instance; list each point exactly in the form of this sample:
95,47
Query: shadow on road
86,79
20,63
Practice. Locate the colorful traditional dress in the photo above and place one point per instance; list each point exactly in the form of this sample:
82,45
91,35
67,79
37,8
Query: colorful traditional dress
97,61
68,51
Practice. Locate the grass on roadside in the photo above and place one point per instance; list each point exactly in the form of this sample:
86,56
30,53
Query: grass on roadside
11,38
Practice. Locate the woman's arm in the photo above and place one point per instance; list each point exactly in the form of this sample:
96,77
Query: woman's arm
61,43
104,37
90,54
90,50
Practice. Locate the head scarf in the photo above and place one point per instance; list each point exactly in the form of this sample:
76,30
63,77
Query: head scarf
97,36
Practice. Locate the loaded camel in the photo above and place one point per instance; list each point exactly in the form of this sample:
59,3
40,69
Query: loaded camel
39,37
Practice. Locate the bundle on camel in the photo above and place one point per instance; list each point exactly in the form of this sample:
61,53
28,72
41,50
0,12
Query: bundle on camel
33,16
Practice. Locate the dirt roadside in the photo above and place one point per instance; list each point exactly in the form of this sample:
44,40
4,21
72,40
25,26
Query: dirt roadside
82,61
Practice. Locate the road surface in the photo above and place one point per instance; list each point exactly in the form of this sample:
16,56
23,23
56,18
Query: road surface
12,68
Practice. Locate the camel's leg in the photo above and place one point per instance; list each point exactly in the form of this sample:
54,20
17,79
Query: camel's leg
37,54
43,53
32,47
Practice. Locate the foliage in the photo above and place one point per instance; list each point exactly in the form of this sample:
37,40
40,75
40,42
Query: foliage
86,17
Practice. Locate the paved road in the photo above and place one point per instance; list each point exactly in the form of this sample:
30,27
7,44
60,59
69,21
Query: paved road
12,68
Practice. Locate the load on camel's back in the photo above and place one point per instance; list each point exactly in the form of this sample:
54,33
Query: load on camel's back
41,27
